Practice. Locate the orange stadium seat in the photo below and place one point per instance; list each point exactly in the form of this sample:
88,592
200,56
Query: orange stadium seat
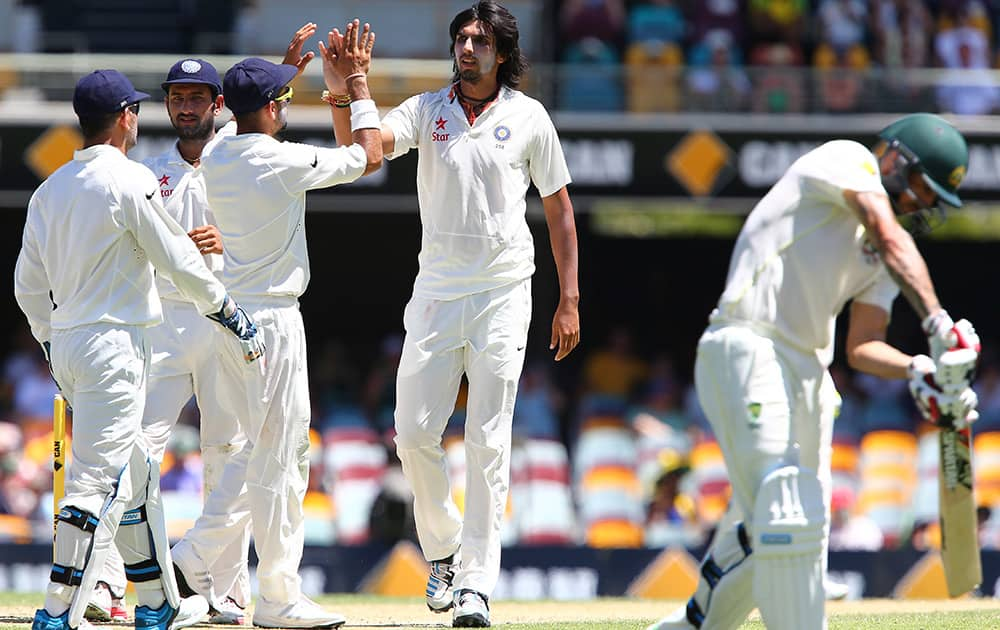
888,479
986,468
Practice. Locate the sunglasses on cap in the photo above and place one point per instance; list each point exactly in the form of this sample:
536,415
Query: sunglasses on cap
134,108
285,95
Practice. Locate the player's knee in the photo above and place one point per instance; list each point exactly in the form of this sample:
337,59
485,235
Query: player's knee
789,517
412,435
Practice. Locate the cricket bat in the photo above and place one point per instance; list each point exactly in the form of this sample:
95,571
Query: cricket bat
959,539
58,459
963,569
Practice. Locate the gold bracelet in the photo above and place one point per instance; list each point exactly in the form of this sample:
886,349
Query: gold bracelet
336,100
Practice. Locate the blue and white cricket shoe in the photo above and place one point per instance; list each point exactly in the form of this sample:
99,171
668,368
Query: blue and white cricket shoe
44,621
192,610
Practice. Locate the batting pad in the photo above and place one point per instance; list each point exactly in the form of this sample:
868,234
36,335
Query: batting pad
789,520
142,539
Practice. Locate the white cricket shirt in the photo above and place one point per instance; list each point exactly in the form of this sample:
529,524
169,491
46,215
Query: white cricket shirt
182,189
803,253
257,190
471,186
92,230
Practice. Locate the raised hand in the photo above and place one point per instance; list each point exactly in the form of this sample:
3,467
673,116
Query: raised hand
294,56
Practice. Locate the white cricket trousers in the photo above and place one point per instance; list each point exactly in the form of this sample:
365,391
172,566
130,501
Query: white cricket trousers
482,335
269,475
186,351
101,369
769,405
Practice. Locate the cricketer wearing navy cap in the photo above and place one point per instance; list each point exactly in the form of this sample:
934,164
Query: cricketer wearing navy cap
254,82
102,100
194,71
104,92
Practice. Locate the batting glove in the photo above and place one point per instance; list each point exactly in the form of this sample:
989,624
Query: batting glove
943,334
233,317
944,396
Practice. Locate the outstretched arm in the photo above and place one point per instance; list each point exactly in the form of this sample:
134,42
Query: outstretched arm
562,236
346,61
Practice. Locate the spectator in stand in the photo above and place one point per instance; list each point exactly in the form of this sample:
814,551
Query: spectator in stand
778,86
659,21
536,410
777,21
185,475
725,15
988,389
715,80
611,374
968,88
887,407
671,518
842,24
850,531
901,32
603,20
659,413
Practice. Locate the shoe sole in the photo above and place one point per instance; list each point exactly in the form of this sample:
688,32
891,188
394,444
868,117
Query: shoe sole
440,610
265,624
226,619
471,621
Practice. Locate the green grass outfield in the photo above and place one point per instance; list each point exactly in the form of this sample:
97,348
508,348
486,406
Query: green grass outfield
366,611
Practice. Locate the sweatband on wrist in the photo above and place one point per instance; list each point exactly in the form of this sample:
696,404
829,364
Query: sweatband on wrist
364,115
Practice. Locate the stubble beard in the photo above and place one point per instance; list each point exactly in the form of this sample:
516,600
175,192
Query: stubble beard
470,76
201,131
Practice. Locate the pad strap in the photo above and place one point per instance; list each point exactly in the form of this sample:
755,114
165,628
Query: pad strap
69,576
145,571
134,517
78,518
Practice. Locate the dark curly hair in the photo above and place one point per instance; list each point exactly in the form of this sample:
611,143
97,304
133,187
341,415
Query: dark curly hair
501,25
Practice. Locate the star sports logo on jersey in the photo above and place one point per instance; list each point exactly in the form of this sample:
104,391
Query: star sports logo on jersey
439,125
165,181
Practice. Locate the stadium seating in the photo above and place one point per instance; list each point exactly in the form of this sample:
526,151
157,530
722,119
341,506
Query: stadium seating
888,474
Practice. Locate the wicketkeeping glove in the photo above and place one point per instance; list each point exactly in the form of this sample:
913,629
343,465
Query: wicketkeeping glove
941,391
943,334
233,317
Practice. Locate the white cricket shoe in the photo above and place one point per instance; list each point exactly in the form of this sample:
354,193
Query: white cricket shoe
472,610
439,594
226,613
190,611
835,590
676,620
303,613
99,606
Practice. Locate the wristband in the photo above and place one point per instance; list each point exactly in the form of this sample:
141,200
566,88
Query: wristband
354,76
336,100
364,115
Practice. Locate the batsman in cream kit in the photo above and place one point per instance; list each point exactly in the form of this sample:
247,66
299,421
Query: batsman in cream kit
831,230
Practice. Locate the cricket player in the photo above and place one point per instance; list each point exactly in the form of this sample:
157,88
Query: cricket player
95,229
829,231
179,367
256,188
481,143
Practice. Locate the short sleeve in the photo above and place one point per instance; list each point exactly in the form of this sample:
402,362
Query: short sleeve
403,121
881,293
546,162
842,165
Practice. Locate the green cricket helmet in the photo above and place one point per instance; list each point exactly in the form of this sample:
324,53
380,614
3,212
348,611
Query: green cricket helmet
929,145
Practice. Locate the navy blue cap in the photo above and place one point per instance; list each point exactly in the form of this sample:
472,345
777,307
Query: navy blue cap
104,92
254,82
193,71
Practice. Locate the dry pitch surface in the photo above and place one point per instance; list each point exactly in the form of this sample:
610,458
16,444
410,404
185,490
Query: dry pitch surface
374,612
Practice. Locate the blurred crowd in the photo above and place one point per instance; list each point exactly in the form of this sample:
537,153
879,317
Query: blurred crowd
625,459
739,55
